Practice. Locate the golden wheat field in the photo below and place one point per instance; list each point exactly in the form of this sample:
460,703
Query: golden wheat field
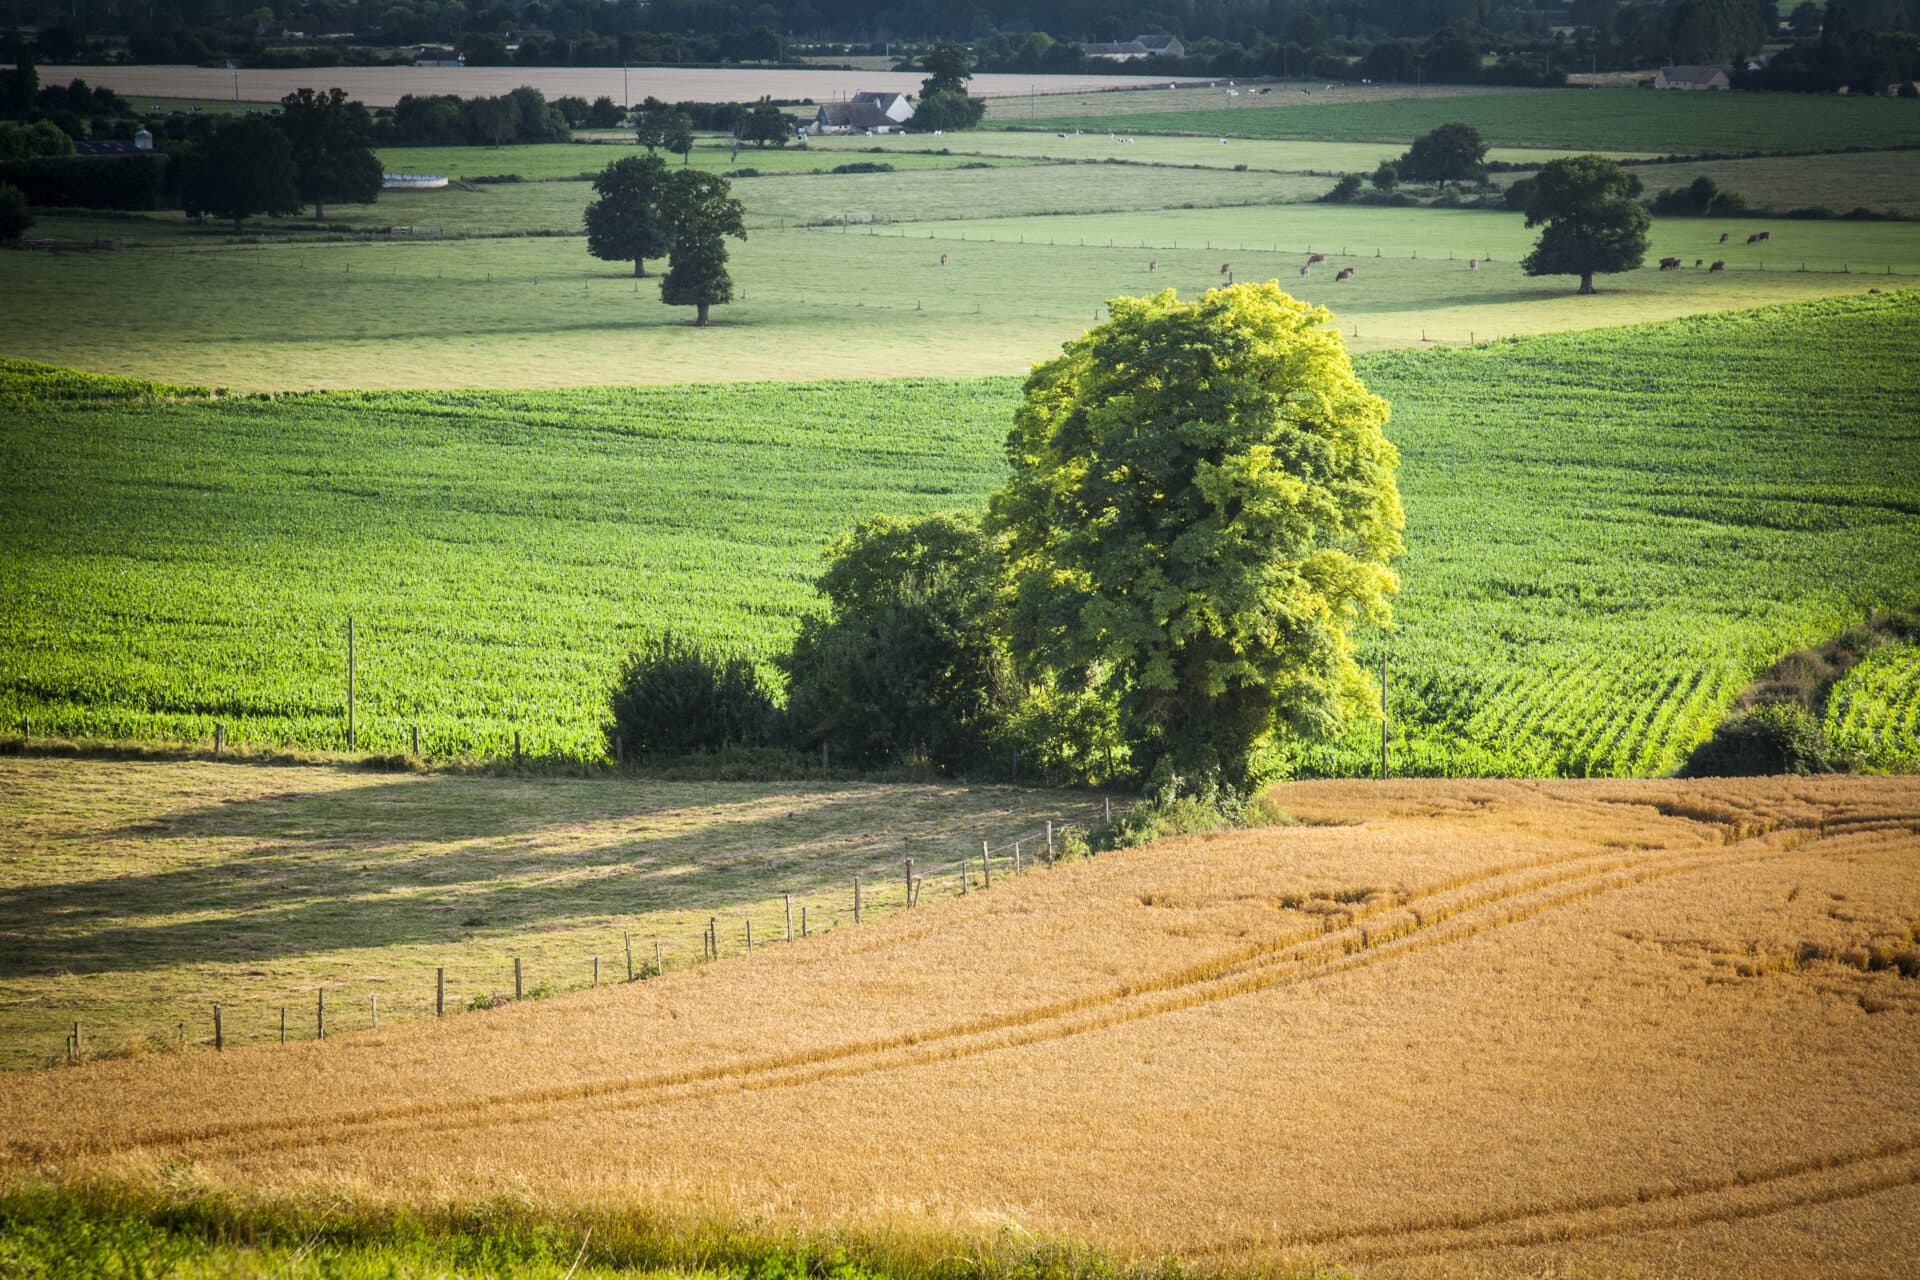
1437,1028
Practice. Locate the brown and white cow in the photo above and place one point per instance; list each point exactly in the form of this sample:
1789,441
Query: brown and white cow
1346,273
1719,264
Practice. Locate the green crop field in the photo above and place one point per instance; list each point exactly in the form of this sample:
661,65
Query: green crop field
1875,709
1608,536
1878,180
1601,119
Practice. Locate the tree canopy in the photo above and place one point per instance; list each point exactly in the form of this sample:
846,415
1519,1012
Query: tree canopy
242,169
332,141
944,102
700,213
626,223
1451,153
766,123
1594,225
1202,508
662,127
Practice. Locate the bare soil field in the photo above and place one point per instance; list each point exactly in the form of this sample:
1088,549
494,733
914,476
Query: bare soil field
1438,1028
384,86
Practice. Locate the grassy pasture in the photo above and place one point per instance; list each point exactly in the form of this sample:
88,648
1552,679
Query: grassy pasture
549,160
1281,155
1608,536
1879,180
136,895
1014,111
824,303
1486,1029
1600,119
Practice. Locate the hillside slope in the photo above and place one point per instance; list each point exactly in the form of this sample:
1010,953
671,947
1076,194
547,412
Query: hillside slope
1452,1027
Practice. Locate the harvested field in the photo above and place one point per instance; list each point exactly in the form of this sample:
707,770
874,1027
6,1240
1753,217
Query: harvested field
1488,1028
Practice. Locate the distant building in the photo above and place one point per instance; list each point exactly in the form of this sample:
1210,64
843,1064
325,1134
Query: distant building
894,106
1134,49
1697,78
866,113
437,55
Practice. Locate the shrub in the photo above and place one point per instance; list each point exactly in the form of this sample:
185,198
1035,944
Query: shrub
14,215
1178,808
864,166
1772,738
1386,177
1344,190
95,182
675,697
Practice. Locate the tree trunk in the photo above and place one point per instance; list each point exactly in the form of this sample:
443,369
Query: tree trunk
700,319
1586,282
319,210
639,270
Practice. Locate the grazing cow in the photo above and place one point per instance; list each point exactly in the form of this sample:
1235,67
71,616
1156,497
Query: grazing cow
1669,264
1699,262
1754,238
1154,265
1306,271
1316,257
943,259
1762,236
1473,264
1723,237
1225,267
1346,273
1718,265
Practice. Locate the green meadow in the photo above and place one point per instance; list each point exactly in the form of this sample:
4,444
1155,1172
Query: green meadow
1630,120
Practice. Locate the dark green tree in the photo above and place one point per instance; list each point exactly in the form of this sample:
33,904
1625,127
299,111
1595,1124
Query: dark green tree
700,213
625,222
944,102
1594,222
15,217
911,658
332,141
1452,153
1202,507
661,127
243,168
766,123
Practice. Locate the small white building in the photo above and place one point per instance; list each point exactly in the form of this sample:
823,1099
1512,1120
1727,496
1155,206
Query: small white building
895,106
1696,78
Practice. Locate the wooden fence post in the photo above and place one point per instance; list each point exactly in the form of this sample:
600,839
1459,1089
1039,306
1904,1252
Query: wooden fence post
219,1037
1049,842
856,899
376,1009
803,922
320,1014
658,967
789,901
986,865
596,971
516,977
440,993
1109,800
909,881
219,738
283,1024
963,877
628,936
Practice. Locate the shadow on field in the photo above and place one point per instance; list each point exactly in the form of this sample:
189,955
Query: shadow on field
439,859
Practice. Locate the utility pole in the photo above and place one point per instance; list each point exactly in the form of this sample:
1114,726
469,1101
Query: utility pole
350,682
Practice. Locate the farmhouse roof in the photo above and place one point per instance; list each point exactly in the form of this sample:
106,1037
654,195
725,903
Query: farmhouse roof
1114,49
106,147
1161,44
854,115
880,98
1701,75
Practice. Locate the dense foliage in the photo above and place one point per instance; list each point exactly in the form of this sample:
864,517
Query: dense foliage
699,213
1201,511
521,116
245,168
625,222
15,217
1593,224
332,142
1454,152
675,696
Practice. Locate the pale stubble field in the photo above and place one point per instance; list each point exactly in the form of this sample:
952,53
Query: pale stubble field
1638,1027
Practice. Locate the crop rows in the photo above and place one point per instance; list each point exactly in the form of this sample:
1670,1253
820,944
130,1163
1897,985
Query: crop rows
1609,534
1875,710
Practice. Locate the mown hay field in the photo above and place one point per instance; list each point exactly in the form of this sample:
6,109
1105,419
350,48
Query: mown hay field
1630,120
1443,1028
136,895
1609,535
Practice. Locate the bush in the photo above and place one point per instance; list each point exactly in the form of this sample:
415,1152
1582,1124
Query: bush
1343,191
1772,738
675,697
96,182
14,215
1699,199
864,166
1179,808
